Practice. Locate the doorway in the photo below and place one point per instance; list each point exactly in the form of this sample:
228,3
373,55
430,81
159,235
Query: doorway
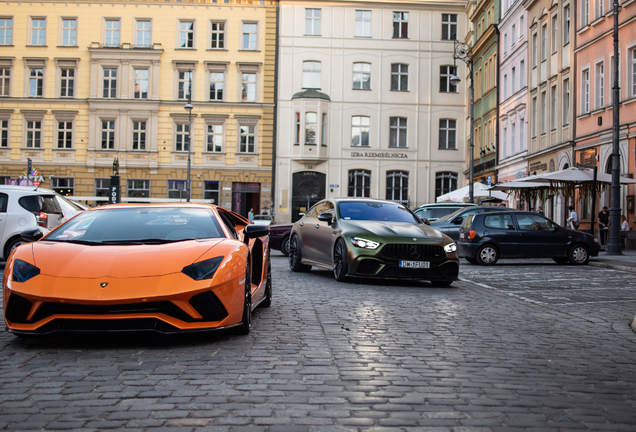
308,187
246,196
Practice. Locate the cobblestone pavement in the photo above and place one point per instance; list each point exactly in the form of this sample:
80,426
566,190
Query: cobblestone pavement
524,346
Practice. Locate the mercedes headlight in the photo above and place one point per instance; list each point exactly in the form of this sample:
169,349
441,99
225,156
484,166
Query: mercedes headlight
23,271
450,248
364,243
203,269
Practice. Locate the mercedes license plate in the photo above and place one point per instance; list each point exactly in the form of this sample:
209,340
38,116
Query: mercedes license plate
415,264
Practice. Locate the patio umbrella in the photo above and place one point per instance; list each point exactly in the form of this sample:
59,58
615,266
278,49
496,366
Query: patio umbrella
480,190
573,175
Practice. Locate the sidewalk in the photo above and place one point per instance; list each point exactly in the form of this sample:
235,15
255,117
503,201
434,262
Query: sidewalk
625,262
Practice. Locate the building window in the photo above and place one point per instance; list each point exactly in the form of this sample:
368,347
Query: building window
566,25
33,134
522,134
397,186
522,31
513,140
110,83
184,81
632,60
448,134
217,35
138,188
449,26
553,108
323,130
400,25
67,82
248,87
585,12
585,91
399,77
534,117
535,48
359,183
312,22
4,133
141,83
397,132
214,138
566,102
250,36
247,136
139,135
504,89
186,34
177,189
211,190
38,31
6,31
513,80
505,142
311,74
505,43
63,185
445,74
513,35
64,134
363,23
69,32
361,76
102,187
600,85
555,34
297,128
216,85
544,42
108,134
311,120
36,82
181,141
143,32
111,35
445,182
544,112
360,131
599,8
522,74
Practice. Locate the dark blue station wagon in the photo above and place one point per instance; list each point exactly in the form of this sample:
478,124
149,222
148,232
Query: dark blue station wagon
484,238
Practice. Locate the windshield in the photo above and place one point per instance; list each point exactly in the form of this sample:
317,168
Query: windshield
450,216
139,225
376,211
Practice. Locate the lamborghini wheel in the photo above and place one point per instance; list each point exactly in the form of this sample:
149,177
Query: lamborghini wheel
246,324
295,256
340,261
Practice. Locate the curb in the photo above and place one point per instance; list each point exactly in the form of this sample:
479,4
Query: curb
612,266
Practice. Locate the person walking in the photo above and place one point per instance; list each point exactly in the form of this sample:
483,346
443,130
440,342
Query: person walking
573,220
603,224
250,215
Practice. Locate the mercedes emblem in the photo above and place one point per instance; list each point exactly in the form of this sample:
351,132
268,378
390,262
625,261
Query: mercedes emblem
414,252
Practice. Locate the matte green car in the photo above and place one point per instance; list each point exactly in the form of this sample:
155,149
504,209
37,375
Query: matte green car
371,239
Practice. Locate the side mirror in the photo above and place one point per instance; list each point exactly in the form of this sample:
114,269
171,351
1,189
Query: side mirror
254,231
426,221
32,235
458,220
326,217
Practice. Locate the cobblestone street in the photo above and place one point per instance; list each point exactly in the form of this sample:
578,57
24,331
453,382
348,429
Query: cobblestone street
523,345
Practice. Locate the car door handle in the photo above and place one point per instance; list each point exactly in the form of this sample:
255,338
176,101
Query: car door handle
317,226
302,223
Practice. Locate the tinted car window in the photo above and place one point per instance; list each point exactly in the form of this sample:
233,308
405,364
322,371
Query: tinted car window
500,221
3,202
530,222
39,203
435,213
449,216
375,211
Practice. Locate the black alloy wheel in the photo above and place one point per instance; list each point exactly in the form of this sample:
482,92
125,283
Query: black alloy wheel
284,246
295,256
340,261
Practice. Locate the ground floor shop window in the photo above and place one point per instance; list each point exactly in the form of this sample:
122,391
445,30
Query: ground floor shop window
359,183
138,188
211,191
445,182
397,186
177,189
63,185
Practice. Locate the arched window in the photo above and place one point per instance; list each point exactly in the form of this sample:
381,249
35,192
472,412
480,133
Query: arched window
397,186
445,182
359,183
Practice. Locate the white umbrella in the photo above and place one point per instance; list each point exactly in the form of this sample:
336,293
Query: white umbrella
573,175
480,190
516,184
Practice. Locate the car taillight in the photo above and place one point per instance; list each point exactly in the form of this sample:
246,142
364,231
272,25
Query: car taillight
472,234
42,219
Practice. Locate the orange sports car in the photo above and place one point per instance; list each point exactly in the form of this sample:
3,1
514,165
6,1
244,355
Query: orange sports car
166,268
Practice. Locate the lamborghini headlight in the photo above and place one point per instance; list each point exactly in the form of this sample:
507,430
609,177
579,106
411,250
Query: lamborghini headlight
450,248
203,269
364,244
23,271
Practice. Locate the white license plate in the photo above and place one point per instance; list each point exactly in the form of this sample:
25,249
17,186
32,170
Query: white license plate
415,264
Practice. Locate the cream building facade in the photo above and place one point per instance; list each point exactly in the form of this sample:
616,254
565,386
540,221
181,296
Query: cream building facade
85,83
366,107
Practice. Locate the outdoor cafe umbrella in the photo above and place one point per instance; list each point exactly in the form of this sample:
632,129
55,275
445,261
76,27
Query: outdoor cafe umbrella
480,190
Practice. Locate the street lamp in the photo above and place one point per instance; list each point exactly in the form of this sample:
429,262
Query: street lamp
462,51
188,106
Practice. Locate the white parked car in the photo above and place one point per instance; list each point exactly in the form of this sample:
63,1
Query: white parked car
263,220
25,207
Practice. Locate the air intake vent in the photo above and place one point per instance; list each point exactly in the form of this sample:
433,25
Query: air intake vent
209,306
18,309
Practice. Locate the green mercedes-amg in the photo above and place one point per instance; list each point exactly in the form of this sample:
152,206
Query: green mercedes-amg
371,239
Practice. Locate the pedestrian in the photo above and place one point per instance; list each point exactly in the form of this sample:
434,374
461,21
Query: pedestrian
603,224
251,215
624,223
540,210
573,220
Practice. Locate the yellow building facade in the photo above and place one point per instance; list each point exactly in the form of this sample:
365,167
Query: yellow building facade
84,83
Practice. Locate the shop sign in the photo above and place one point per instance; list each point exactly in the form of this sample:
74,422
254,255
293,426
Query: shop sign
540,166
385,155
588,157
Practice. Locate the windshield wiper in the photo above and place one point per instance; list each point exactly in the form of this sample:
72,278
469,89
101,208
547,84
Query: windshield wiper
141,241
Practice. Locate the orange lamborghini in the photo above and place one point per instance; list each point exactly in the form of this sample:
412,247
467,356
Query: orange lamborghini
166,268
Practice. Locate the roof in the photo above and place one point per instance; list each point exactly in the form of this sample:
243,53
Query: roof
311,94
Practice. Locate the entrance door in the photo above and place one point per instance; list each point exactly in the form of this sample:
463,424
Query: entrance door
246,196
308,187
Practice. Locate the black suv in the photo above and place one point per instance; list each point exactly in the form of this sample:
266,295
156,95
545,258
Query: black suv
485,238
449,224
